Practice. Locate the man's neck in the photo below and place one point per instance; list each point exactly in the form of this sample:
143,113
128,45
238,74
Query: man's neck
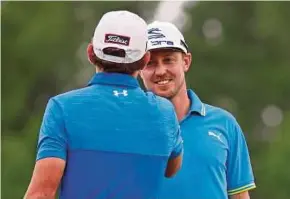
181,103
135,74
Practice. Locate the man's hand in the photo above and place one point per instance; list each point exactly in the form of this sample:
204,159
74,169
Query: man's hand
45,179
173,166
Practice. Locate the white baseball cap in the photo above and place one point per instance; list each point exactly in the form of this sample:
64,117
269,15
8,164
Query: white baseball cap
165,35
123,30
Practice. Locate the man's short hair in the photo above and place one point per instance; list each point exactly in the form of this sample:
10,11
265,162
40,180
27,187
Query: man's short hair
112,67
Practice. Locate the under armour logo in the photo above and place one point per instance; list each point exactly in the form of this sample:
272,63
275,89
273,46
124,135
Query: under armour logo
215,135
124,92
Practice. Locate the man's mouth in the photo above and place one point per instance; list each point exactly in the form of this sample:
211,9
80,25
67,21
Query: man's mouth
163,82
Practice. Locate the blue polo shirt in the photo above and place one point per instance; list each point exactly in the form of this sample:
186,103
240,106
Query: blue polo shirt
216,160
115,138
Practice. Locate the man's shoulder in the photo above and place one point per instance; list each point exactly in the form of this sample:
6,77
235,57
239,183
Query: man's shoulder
224,120
71,95
220,113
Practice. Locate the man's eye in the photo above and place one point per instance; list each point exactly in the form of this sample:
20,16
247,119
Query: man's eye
150,64
168,60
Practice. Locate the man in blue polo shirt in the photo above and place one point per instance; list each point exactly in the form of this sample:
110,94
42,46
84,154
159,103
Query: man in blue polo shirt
216,162
109,139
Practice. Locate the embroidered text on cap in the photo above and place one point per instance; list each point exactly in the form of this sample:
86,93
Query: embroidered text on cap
117,39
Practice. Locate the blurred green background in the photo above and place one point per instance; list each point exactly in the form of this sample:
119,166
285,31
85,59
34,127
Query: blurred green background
241,62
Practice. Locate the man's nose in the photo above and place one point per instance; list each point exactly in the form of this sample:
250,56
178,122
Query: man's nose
160,69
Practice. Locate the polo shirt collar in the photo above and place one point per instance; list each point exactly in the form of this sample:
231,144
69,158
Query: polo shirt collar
196,106
116,79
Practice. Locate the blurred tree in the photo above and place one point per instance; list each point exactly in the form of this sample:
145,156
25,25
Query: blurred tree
39,43
273,175
247,60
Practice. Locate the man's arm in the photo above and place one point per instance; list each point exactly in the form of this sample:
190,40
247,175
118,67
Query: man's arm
51,154
173,166
175,160
243,195
45,179
240,178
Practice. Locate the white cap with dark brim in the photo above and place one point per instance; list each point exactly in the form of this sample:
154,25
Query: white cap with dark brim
165,35
122,30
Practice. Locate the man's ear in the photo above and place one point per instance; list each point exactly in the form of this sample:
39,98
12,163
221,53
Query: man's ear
91,55
187,61
146,58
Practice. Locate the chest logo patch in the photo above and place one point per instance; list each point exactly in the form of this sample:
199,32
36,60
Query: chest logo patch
216,135
124,93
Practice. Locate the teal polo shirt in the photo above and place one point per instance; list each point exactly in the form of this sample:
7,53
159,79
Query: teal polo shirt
116,139
216,161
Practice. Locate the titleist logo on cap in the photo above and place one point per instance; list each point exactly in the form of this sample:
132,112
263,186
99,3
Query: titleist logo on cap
117,39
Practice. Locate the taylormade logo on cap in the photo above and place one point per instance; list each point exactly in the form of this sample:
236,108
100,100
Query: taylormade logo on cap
155,33
165,35
130,36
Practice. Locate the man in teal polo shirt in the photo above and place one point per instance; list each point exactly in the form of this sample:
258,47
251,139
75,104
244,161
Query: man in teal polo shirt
109,139
216,161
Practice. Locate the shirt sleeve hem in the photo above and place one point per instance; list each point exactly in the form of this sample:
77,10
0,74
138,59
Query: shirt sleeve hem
241,189
50,154
178,150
